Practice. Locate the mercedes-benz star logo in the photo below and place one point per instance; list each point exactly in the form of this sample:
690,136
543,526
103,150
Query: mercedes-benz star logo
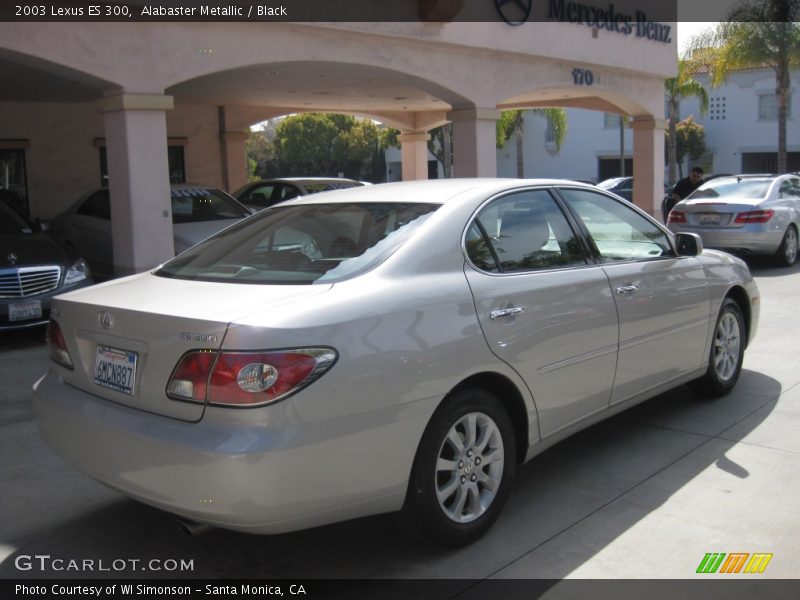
514,12
12,257
105,319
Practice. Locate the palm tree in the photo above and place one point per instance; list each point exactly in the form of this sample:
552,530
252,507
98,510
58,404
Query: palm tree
684,85
512,122
758,34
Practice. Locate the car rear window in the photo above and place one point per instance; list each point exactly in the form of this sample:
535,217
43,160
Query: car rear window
302,244
732,188
191,205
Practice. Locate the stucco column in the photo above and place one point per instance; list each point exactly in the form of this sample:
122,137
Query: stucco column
474,142
138,180
648,163
414,154
234,159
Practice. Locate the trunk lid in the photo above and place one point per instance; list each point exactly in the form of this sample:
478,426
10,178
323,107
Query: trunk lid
125,337
703,212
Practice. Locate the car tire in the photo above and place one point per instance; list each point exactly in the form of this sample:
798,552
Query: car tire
726,353
786,254
463,470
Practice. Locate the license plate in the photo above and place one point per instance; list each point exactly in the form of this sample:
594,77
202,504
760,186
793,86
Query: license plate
22,311
709,219
115,369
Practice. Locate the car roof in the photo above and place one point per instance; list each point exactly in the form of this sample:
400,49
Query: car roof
436,191
302,180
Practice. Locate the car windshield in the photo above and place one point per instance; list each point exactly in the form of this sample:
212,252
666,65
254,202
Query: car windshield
12,222
194,204
732,188
609,184
302,244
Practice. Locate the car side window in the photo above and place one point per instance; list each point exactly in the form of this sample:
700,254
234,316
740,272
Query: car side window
260,195
790,189
618,232
97,205
289,191
526,231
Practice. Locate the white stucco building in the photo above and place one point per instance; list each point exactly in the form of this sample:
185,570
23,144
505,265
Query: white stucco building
741,130
142,101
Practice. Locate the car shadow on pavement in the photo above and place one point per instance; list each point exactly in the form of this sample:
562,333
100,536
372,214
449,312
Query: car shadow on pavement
764,266
566,507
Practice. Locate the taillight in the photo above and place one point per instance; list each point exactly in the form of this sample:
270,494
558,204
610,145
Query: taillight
246,378
676,216
189,380
754,216
57,346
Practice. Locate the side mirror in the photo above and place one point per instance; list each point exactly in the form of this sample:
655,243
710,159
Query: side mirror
688,244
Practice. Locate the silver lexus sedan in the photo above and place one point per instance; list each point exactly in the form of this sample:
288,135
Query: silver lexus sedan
402,347
744,214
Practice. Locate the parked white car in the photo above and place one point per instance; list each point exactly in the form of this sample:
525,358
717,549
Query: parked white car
401,347
197,212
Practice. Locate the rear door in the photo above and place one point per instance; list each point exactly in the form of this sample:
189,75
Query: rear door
543,307
662,299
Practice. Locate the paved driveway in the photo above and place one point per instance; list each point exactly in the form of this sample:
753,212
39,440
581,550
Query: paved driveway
645,494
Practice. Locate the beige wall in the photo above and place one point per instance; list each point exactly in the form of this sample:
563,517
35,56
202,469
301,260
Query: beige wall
63,162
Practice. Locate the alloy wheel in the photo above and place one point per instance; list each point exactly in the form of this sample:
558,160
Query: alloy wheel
469,468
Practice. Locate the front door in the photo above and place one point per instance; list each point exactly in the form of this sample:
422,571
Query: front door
662,299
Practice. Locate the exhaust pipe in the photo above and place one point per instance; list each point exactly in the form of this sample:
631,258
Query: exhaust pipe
193,528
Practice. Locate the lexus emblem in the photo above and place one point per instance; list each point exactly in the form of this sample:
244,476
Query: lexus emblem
12,257
105,319
514,12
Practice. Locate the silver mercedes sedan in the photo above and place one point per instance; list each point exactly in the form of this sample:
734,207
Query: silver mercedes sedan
744,214
400,347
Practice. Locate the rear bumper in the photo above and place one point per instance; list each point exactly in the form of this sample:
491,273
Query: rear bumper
749,239
271,475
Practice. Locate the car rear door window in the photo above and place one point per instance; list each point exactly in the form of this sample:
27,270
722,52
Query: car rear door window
523,231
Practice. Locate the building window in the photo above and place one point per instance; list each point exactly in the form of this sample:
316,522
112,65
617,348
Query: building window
611,121
177,168
13,178
768,107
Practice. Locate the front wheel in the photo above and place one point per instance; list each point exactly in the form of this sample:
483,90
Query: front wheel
726,354
787,251
463,470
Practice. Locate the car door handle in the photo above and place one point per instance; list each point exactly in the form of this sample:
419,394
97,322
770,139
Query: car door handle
627,289
502,313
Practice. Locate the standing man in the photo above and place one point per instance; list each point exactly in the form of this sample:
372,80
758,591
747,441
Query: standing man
683,188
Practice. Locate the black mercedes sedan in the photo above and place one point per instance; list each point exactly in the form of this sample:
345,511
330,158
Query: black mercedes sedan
33,269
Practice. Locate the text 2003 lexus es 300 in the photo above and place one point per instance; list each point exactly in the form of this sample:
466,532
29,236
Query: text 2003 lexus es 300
401,347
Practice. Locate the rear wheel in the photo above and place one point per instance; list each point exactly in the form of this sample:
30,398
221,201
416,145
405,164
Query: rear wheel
726,354
787,251
463,470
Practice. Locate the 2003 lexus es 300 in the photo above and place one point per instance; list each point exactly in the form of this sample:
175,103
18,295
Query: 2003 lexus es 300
400,347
